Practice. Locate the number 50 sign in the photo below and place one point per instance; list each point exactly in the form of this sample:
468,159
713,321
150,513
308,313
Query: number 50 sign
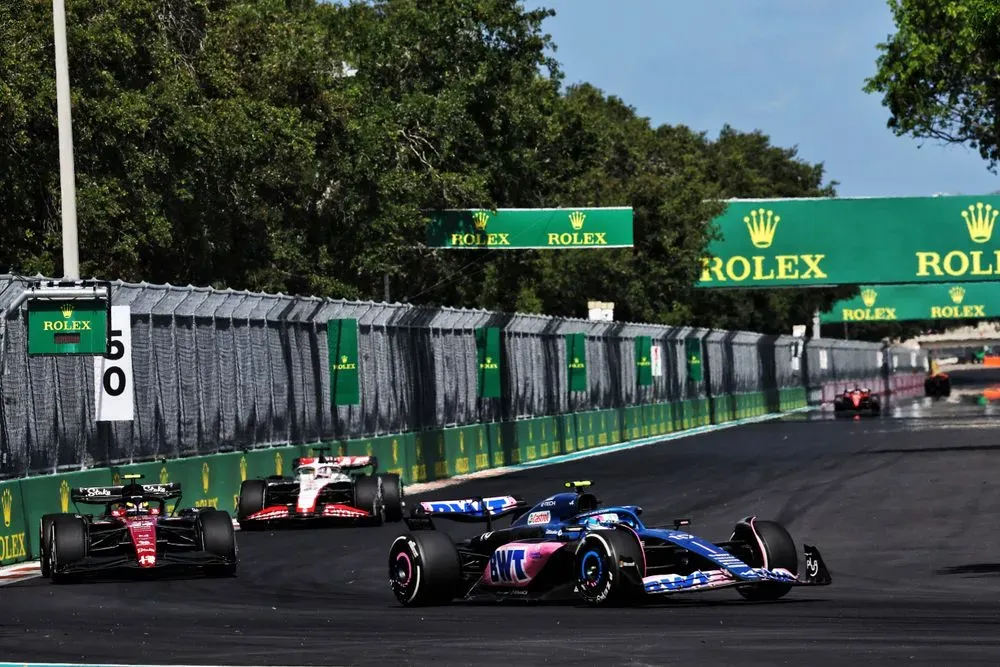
114,396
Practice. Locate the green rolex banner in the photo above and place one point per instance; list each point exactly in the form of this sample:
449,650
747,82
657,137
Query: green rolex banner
576,361
692,351
643,360
488,359
342,343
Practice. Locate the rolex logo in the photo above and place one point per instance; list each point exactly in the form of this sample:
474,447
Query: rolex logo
480,219
762,225
576,219
868,295
67,310
956,294
64,496
7,504
164,475
243,468
979,218
277,463
204,477
343,359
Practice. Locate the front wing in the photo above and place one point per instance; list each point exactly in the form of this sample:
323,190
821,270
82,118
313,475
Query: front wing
815,574
164,561
327,511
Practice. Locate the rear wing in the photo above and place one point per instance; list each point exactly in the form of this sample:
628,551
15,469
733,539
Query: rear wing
343,462
98,495
468,510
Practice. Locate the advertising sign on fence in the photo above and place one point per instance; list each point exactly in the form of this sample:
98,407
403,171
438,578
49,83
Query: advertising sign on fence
342,345
488,352
656,357
692,351
880,303
830,241
74,326
114,385
643,360
576,361
539,228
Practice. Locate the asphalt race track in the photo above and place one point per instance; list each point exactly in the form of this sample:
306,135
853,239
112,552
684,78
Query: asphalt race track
905,509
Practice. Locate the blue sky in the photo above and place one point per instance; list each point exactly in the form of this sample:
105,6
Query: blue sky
793,69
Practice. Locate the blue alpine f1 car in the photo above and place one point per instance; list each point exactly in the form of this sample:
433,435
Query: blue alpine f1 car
568,545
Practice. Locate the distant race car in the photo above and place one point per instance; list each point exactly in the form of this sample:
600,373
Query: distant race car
938,384
322,490
135,531
857,401
568,546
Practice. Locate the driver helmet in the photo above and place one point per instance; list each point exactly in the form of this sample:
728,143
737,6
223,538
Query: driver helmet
324,472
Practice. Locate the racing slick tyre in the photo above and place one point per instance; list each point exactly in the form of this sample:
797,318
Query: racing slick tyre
778,551
610,565
368,496
67,545
424,569
252,492
392,497
44,533
219,539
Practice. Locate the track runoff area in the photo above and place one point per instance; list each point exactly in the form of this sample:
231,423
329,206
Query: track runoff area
904,508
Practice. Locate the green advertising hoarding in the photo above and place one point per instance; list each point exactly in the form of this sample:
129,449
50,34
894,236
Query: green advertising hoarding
692,352
889,303
643,360
576,361
802,242
76,326
538,228
488,361
342,345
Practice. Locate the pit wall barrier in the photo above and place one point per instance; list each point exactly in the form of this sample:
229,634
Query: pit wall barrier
214,480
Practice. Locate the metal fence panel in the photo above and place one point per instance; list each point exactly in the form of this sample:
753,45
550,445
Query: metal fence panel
218,370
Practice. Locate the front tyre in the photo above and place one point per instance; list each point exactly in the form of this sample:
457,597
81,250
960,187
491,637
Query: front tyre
610,565
368,497
424,569
773,548
219,539
253,494
392,497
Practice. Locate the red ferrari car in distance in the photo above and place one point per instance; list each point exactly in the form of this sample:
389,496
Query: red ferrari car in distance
857,401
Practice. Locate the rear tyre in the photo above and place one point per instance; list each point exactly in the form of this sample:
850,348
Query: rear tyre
610,565
778,551
67,545
392,497
424,569
252,499
368,497
219,539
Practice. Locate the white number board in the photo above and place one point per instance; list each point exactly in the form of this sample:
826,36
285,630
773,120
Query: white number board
114,394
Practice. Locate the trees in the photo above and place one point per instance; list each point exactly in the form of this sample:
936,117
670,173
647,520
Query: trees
292,145
939,74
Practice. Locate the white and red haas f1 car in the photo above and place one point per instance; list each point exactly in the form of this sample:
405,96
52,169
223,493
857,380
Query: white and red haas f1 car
323,490
135,532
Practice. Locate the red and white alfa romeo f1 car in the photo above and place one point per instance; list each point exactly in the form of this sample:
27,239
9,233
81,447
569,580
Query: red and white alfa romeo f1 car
135,532
324,489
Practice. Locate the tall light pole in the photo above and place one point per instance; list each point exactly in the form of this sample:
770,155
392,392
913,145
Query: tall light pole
67,176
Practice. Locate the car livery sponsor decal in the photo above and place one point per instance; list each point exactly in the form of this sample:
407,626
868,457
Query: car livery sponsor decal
517,563
699,546
468,506
539,517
